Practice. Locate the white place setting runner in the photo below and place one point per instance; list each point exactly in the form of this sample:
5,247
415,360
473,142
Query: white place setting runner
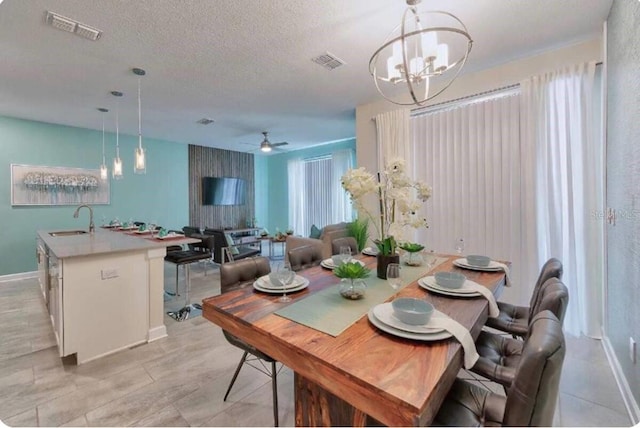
439,327
468,289
493,267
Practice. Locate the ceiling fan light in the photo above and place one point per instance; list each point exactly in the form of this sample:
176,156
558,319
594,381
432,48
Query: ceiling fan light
266,148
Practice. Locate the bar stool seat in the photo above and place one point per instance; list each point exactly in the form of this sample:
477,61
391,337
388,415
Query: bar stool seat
185,258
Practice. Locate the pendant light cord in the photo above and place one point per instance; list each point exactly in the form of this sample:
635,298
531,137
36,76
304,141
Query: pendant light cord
139,116
117,130
103,158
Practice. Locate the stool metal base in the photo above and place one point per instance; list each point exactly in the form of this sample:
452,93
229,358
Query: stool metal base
189,311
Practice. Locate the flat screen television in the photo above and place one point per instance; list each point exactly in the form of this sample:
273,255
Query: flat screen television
223,191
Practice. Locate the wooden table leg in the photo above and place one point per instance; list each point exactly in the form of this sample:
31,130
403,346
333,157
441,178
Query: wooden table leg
315,406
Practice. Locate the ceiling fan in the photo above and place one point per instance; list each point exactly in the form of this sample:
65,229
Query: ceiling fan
267,145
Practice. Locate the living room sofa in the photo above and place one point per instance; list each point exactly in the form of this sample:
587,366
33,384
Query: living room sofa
327,235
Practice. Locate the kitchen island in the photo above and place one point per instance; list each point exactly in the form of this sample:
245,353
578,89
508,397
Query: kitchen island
104,291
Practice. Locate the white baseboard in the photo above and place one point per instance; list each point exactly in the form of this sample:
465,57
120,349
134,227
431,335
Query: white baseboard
157,333
18,276
623,385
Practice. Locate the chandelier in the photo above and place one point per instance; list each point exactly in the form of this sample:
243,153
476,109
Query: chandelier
139,164
116,172
104,172
427,50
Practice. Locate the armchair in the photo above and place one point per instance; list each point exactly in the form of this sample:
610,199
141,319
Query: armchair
329,233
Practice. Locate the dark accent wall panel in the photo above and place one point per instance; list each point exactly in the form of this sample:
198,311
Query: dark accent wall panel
210,162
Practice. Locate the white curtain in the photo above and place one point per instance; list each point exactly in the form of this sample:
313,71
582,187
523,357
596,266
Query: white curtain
296,181
394,137
563,186
470,155
341,208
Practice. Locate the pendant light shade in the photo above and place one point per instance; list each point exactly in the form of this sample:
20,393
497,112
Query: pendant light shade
139,166
104,172
116,173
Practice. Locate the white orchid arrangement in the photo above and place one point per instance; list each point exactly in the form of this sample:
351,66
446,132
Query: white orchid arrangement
400,201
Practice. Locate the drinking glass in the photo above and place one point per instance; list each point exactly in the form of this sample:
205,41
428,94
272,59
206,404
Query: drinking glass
152,227
345,252
393,275
201,229
286,277
459,246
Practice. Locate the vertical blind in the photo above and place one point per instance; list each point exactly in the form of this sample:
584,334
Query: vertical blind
470,155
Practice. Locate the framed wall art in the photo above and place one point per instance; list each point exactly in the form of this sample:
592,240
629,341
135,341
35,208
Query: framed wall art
51,185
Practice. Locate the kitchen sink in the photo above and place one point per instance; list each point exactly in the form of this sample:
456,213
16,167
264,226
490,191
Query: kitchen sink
68,232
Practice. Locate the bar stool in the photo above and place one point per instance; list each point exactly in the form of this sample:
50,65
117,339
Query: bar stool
184,258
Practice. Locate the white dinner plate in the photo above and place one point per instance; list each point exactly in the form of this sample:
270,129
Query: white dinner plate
304,285
384,313
406,334
369,251
493,266
328,263
429,284
265,282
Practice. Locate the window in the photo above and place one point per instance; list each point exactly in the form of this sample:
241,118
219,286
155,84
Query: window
315,191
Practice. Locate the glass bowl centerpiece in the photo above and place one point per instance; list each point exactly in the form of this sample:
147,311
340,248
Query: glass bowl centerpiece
414,253
400,201
352,274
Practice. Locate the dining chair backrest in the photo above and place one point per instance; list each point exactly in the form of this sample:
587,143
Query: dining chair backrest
552,268
305,257
240,273
347,241
531,398
554,297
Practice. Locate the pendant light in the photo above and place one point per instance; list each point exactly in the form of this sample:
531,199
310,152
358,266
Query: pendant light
139,166
104,172
117,162
421,57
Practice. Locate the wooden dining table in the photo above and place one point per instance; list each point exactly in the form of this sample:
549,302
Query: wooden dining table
363,376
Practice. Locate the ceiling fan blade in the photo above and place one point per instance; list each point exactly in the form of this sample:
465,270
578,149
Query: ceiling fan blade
284,143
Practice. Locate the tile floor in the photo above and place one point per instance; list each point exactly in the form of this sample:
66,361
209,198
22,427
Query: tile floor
180,380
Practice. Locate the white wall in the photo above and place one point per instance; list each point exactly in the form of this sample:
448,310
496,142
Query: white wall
497,77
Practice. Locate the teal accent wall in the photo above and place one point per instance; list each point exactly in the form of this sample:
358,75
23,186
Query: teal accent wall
273,182
162,194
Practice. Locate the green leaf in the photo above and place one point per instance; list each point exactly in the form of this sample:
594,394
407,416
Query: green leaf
352,270
412,247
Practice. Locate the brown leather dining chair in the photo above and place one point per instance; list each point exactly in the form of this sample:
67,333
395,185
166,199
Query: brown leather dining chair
304,257
347,241
234,275
515,319
501,355
531,398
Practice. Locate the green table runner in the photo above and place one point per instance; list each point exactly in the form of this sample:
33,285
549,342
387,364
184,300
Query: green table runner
330,313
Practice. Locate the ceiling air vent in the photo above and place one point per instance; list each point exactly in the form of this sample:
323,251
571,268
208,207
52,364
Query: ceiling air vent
71,26
205,121
328,61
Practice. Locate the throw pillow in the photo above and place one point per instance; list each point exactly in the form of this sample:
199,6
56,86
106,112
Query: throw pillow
232,244
315,232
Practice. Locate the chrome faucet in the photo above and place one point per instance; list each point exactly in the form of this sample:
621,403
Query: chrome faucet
92,227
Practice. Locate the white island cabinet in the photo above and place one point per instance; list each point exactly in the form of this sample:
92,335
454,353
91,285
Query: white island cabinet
105,291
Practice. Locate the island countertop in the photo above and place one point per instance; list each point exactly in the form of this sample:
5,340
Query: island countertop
104,241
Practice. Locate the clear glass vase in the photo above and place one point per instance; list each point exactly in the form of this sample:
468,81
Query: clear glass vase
414,259
352,288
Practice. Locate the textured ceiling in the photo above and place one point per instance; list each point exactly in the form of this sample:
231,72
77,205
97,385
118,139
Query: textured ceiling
244,63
